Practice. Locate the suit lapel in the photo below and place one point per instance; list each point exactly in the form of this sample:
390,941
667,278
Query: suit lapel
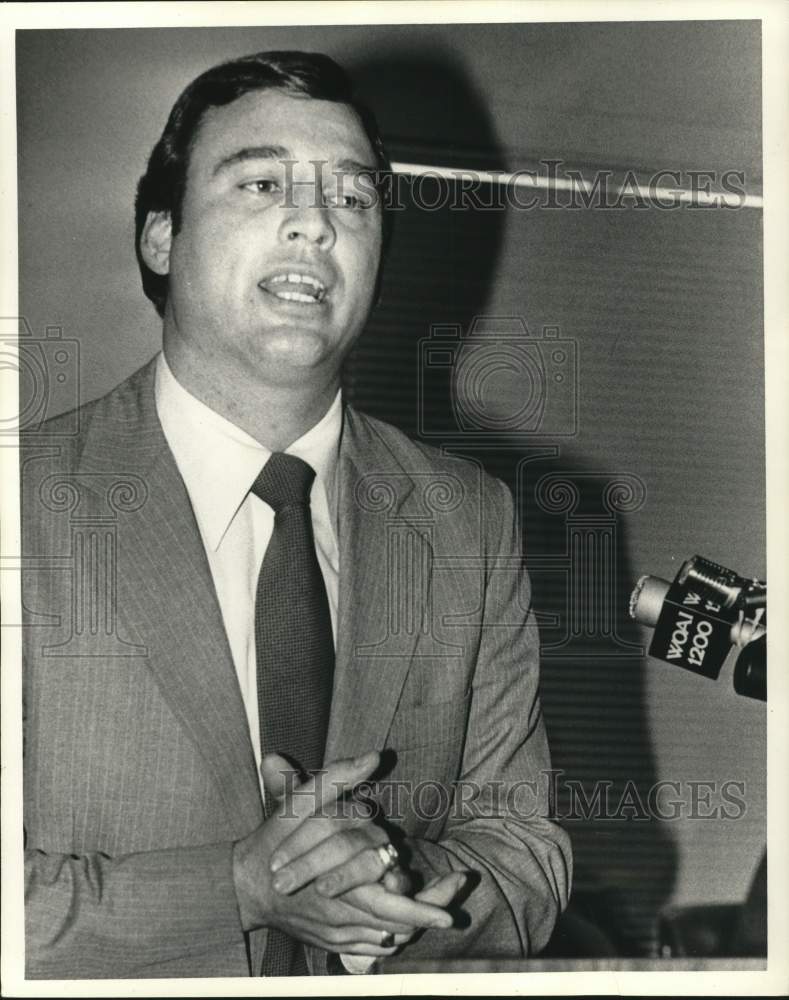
378,633
167,599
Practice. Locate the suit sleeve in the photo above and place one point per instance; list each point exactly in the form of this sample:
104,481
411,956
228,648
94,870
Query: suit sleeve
499,827
95,916
92,916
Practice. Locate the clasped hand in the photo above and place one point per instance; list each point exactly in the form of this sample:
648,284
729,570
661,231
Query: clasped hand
312,868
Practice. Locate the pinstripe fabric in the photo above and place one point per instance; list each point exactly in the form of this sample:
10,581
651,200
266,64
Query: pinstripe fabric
139,772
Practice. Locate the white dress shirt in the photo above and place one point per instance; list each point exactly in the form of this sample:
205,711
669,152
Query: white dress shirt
218,463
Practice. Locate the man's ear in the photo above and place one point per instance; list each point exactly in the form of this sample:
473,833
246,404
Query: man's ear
155,242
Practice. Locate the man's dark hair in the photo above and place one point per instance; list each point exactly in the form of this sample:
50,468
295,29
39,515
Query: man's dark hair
162,187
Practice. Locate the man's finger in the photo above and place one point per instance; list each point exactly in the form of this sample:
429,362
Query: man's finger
338,938
399,881
353,943
331,783
347,858
317,911
364,866
441,891
375,900
279,777
312,831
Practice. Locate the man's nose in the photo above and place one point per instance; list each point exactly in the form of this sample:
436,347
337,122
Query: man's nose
310,223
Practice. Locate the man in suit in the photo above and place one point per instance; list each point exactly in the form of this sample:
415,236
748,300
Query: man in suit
235,578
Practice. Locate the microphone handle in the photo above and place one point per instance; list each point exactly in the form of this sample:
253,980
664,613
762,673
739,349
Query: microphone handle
750,670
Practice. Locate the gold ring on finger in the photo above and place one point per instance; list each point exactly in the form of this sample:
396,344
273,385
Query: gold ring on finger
388,856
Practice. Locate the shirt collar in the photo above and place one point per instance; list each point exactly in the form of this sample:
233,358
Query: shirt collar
219,461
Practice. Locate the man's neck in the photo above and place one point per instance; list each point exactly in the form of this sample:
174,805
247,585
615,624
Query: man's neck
276,416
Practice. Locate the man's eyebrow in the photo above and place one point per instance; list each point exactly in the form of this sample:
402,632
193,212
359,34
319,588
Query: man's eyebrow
252,153
355,167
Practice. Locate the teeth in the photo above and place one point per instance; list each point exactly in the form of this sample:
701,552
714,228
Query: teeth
296,297
317,290
297,279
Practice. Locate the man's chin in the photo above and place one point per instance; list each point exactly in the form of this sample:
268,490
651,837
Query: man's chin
296,351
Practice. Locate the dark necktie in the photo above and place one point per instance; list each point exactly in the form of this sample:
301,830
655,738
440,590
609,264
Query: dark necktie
294,648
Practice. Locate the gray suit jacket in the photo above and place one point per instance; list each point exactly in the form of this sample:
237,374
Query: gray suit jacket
139,772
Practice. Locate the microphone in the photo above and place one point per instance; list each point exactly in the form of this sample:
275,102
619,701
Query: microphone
701,615
750,670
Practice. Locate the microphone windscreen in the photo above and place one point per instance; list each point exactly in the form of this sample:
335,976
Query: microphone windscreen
647,599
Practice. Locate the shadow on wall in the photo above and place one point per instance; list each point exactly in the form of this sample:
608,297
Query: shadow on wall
424,103
441,272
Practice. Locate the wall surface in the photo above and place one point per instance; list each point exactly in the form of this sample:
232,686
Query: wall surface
660,310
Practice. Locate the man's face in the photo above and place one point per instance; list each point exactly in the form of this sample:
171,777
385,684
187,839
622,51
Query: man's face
273,270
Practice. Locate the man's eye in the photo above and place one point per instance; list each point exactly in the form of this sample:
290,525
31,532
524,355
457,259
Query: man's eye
261,186
348,201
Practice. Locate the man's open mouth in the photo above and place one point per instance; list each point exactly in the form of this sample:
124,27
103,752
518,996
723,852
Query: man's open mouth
293,286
